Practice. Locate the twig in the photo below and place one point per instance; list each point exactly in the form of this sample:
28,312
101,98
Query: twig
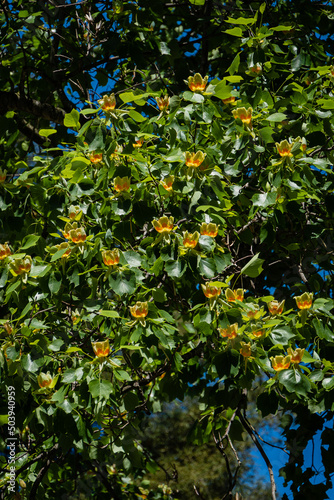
253,436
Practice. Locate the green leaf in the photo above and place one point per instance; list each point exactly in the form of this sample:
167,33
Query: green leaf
121,375
253,268
72,119
39,271
124,283
55,345
137,117
234,31
174,269
282,335
276,117
133,259
233,68
164,49
109,314
242,20
294,381
207,267
100,388
328,383
30,241
263,200
28,364
45,132
222,90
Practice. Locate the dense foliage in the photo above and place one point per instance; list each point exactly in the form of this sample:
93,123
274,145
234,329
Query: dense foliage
170,239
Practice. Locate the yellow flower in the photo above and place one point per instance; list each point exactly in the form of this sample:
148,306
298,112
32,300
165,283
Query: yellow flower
245,115
280,362
190,240
256,69
73,211
296,355
233,295
101,349
110,257
108,102
77,235
284,148
5,251
3,175
138,143
276,307
245,349
163,102
229,100
164,225
21,266
231,331
194,160
121,184
139,310
210,229
304,301
8,327
211,291
167,182
95,157
257,332
196,83
62,246
68,228
44,380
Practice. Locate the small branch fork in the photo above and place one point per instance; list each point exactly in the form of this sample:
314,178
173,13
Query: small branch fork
254,438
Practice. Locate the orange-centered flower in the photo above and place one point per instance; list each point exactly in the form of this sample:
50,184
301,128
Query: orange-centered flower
229,100
194,160
245,115
44,380
256,69
73,211
296,355
280,362
138,143
77,235
139,310
190,240
210,229
233,295
231,331
3,175
21,266
304,301
62,246
276,307
108,102
245,349
8,327
95,157
121,184
163,102
284,148
196,83
164,225
211,291
110,257
5,251
257,333
101,349
167,182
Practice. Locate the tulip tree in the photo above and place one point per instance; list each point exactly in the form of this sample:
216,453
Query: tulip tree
169,239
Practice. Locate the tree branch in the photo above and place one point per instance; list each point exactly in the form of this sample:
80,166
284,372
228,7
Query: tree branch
261,450
10,101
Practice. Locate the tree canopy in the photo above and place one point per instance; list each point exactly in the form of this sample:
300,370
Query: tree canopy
166,197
